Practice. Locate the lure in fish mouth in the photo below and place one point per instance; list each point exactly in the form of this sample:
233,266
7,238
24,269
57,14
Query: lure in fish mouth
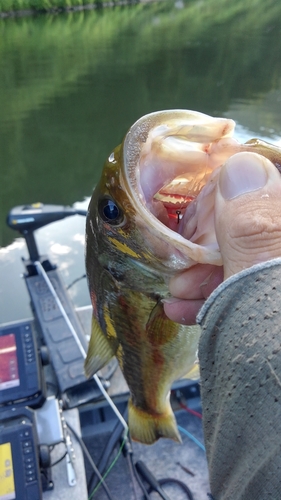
150,217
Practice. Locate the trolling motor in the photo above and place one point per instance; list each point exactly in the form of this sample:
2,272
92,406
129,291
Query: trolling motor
27,218
58,322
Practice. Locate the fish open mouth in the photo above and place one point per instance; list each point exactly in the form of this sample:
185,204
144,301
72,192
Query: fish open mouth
177,164
172,162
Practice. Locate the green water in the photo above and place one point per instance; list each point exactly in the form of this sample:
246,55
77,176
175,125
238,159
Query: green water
72,84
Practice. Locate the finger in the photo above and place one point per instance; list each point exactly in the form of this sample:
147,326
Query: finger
197,282
248,212
183,311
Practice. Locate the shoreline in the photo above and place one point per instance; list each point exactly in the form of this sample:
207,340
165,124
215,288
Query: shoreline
98,4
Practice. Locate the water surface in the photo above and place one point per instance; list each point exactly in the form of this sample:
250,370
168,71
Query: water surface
72,84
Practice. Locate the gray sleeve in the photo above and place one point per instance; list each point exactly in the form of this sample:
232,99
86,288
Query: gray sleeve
240,368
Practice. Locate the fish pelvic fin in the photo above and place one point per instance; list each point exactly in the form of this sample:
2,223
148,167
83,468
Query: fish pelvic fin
147,428
99,352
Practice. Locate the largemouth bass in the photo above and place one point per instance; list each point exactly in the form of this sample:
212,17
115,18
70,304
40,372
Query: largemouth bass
151,216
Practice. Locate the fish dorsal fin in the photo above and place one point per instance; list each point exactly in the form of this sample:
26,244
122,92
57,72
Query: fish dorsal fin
99,351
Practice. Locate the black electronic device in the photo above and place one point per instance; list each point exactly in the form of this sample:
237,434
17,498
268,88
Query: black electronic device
19,461
21,374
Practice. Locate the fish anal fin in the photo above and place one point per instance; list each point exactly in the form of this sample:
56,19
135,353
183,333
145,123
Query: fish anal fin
147,428
99,350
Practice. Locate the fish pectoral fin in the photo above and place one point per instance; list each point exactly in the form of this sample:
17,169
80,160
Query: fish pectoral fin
148,428
159,328
99,350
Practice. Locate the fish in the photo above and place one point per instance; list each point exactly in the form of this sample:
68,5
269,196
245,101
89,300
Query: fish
150,217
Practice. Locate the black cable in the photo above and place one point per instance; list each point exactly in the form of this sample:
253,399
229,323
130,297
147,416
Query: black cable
90,460
59,460
107,452
148,476
76,281
128,453
151,479
133,476
143,488
170,480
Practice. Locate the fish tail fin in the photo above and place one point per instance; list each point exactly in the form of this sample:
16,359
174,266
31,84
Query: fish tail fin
147,428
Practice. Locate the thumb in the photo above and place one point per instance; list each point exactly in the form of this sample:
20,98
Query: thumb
248,212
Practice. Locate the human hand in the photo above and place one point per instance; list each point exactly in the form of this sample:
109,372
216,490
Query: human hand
248,230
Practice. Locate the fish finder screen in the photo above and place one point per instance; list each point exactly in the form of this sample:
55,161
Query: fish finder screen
7,484
9,373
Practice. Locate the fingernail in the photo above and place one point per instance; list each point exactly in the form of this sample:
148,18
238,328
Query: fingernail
242,173
206,280
170,300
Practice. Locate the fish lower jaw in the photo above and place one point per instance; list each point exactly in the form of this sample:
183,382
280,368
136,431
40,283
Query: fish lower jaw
147,428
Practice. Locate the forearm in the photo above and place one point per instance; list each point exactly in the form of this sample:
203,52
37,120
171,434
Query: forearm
240,364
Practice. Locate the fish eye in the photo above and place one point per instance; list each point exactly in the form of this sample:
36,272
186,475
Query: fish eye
110,212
